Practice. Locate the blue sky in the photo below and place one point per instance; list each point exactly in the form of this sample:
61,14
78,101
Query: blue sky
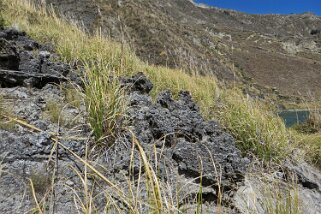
268,6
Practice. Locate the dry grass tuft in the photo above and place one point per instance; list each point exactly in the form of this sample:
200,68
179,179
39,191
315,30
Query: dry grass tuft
255,126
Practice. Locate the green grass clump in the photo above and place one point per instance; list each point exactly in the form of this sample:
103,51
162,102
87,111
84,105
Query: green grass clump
311,145
105,102
255,127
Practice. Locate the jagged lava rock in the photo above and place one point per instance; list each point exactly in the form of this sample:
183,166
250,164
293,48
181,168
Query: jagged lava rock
8,55
24,62
190,139
139,82
30,78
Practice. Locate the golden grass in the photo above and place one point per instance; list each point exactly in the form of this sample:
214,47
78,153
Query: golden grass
311,145
255,126
282,198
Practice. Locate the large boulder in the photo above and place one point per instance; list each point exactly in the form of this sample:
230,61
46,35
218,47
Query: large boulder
191,139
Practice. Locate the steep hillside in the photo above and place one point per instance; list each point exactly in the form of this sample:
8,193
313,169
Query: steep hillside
87,127
282,53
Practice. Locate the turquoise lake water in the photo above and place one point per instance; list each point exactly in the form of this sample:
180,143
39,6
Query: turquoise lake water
292,117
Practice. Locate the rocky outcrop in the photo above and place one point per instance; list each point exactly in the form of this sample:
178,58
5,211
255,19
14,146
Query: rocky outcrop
33,109
24,62
194,160
179,126
177,140
187,147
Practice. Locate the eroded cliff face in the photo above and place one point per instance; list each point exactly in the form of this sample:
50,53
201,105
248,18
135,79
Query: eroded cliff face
274,51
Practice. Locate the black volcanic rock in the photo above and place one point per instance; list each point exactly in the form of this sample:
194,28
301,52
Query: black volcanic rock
25,62
219,162
31,80
9,58
138,82
189,139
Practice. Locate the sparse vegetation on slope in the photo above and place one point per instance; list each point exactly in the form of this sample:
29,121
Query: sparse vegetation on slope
231,44
251,122
255,126
103,58
311,144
